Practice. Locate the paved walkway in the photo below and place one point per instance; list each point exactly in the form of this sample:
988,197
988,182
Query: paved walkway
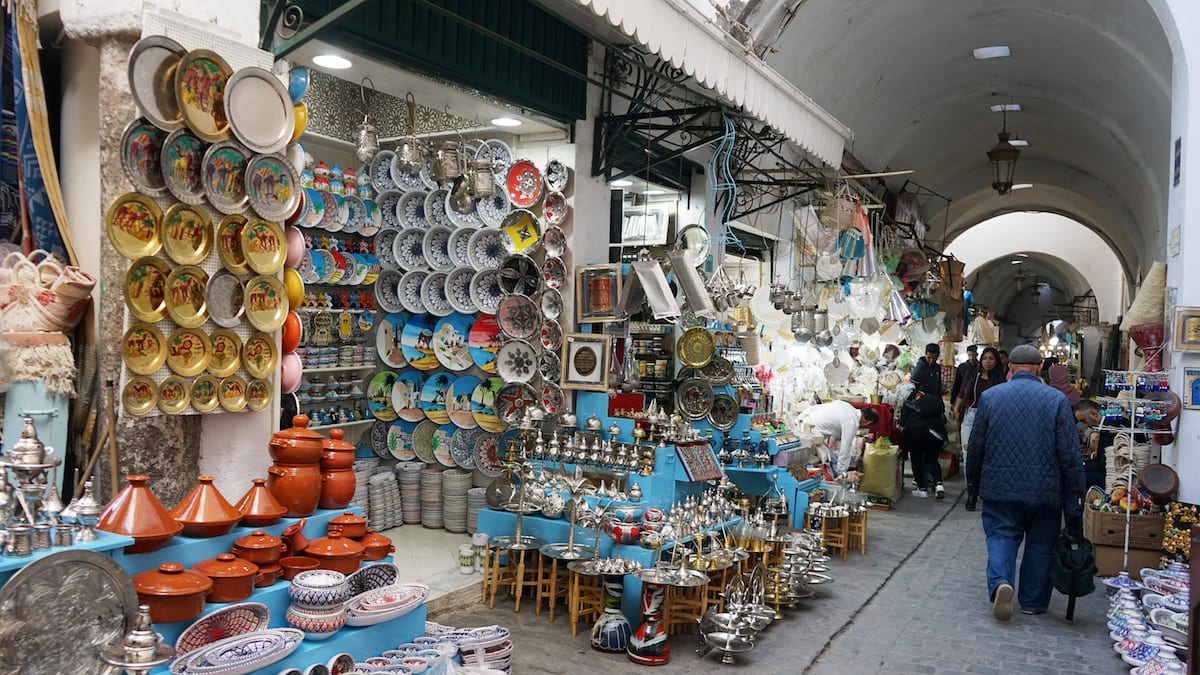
916,603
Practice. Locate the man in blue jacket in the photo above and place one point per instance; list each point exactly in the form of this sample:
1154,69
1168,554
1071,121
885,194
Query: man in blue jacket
1029,473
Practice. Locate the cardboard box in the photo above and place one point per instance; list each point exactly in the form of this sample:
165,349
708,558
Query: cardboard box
1109,559
1107,528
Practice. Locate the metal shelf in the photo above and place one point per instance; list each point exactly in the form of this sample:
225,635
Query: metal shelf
337,369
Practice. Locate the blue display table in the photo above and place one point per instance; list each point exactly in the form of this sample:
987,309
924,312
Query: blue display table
106,542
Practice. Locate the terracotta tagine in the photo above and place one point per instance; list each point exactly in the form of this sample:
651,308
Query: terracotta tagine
337,474
259,548
377,545
351,525
204,512
297,445
232,578
172,592
336,553
258,506
137,513
296,486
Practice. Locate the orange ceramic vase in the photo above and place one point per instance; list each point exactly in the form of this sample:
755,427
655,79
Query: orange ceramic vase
204,512
137,513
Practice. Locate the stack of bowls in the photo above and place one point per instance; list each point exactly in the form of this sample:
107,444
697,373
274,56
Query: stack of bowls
318,603
476,499
455,484
364,468
409,476
385,500
431,497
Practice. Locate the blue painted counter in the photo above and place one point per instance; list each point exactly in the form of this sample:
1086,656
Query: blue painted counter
105,542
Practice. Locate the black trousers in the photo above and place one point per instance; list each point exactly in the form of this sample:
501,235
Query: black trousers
923,449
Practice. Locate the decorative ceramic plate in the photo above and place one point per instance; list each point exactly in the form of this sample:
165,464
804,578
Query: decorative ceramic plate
379,435
552,398
409,249
518,317
229,244
522,232
458,403
379,395
372,220
143,348
552,335
273,187
241,655
719,371
261,114
554,273
223,176
384,244
485,340
423,441
139,396
497,151
231,393
186,296
264,246
408,181
443,440
459,246
204,392
450,342
341,664
433,294
381,172
387,339
330,211
433,397
187,234
486,249
557,176
492,210
266,303
483,404
259,355
188,351
409,291
399,440
152,63
406,396
513,399
487,458
465,215
200,80
696,347
223,297
356,215
388,202
330,272
410,210
134,225
145,286
555,209
694,398
436,248
226,353
555,241
724,412
520,274
141,157
435,209
462,445
524,184
182,161
549,366
517,361
551,302
417,342
386,293
230,621
486,292
458,290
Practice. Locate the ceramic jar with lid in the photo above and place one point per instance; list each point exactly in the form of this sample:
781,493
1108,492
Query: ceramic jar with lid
258,506
259,548
350,524
336,553
137,513
172,592
232,578
297,445
377,545
337,472
317,590
296,486
204,512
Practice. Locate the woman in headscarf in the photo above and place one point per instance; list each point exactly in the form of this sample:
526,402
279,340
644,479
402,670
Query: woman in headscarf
988,375
1061,380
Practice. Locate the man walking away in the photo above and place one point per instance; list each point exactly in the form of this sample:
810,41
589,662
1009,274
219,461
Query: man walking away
1025,462
923,424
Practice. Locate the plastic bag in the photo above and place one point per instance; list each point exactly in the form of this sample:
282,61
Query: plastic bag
444,663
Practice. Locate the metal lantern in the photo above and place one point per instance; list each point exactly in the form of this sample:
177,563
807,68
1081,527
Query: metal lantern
482,184
445,166
410,154
367,143
1003,158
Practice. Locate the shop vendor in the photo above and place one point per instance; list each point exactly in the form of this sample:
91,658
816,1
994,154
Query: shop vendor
839,423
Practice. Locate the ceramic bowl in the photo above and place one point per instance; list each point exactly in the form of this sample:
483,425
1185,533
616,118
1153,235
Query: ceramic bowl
318,589
316,625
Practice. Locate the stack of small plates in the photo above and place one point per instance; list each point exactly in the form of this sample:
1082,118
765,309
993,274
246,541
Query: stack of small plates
455,484
480,479
488,646
476,499
384,498
409,475
363,468
431,497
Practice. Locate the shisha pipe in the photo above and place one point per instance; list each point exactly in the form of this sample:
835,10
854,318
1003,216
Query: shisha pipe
522,470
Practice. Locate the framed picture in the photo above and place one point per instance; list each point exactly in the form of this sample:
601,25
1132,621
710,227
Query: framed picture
597,290
1191,388
646,225
585,361
1186,332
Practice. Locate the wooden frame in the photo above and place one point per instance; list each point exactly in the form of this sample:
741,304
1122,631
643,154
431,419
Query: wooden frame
597,293
1185,332
584,363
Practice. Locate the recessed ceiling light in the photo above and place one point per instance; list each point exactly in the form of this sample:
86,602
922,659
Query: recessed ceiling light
1018,143
1022,255
1022,186
332,61
1015,262
1006,107
996,52
506,122
621,183
654,192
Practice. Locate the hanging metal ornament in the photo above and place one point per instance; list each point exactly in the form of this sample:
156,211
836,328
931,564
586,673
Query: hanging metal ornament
482,184
367,144
410,154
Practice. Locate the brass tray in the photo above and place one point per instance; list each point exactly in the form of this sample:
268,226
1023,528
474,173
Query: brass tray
204,393
152,63
261,114
187,234
143,348
200,80
260,356
264,246
139,395
266,303
226,355
134,225
188,351
187,304
232,393
145,287
229,244
173,395
258,395
696,347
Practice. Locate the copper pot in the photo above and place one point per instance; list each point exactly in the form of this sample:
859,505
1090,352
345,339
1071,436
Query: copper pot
259,548
336,553
136,512
258,506
350,524
295,564
297,445
204,512
377,545
268,575
173,593
297,487
293,536
232,578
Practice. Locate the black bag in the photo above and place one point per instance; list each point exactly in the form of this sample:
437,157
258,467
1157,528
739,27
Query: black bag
1072,568
924,406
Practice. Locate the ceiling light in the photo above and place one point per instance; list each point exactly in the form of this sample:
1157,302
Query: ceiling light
1015,262
654,192
996,52
506,122
621,183
1022,186
1019,143
1003,158
332,61
1006,107
1022,255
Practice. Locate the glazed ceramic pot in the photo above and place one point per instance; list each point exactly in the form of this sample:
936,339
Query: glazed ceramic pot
336,553
295,564
259,548
316,625
297,487
377,545
232,578
136,512
293,536
258,506
267,575
297,445
317,590
337,488
336,453
204,512
624,533
627,513
173,593
351,526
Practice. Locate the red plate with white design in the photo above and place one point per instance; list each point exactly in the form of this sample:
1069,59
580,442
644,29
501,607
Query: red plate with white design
231,621
524,184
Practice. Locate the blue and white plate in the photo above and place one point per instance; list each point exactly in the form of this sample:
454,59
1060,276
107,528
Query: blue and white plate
460,246
409,249
450,337
399,439
497,151
417,342
405,181
406,397
409,291
437,248
459,405
433,397
433,294
384,241
381,171
486,292
387,202
458,290
435,209
486,249
410,210
492,210
462,446
387,291
469,219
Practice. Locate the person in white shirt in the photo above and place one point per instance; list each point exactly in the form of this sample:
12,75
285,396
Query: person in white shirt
839,422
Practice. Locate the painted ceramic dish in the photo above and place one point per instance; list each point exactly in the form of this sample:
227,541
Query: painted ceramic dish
134,225
226,353
522,233
696,347
231,394
400,441
552,335
200,80
141,157
224,176
188,351
145,288
406,396
433,397
187,234
552,398
223,297
554,239
379,395
261,114
182,163
555,209
387,339
694,398
436,247
450,346
264,246
483,404
524,184
550,366
410,210
139,395
152,63
388,201
459,246
557,176
551,303
520,274
229,244
273,187
231,621
518,317
259,355
516,361
462,446
173,395
356,215
486,249
487,456
486,293
186,293
266,303
372,220
484,341
417,342
443,441
258,395
512,400
433,294
423,441
143,348
380,171
499,152
724,412
458,403
204,393
384,243
386,294
435,209
409,291
554,273
409,249
378,440
492,210
458,290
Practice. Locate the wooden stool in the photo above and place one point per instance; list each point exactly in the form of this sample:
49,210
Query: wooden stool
683,607
552,584
714,592
585,598
835,535
527,571
496,573
857,532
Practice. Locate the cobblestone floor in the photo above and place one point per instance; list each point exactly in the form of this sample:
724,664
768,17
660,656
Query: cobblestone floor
915,603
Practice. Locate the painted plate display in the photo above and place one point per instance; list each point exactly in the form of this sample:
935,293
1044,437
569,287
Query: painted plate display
223,297
266,303
141,156
458,403
459,246
518,317
264,246
417,341
554,239
186,295
433,294
487,458
724,412
145,288
379,395
458,290
696,347
516,361
229,244
200,80
231,621
259,355
261,114
423,441
524,184
134,225
174,394
486,249
552,398
204,392
551,303
555,209
400,440
462,446
552,335
550,366
406,396
231,394
381,171
486,293
435,209
554,273
483,404
356,215
492,210
223,176
182,161
520,274
188,351
387,339
187,234
522,233
694,398
512,400
273,187
443,440
143,348
409,291
433,397
450,346
409,249
410,210
436,247
484,341
139,395
557,176
152,63
226,354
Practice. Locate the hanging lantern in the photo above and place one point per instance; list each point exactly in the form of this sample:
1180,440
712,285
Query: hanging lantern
1004,161
445,166
367,143
482,184
410,154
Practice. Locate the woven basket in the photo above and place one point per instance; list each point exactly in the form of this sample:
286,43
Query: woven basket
1147,305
